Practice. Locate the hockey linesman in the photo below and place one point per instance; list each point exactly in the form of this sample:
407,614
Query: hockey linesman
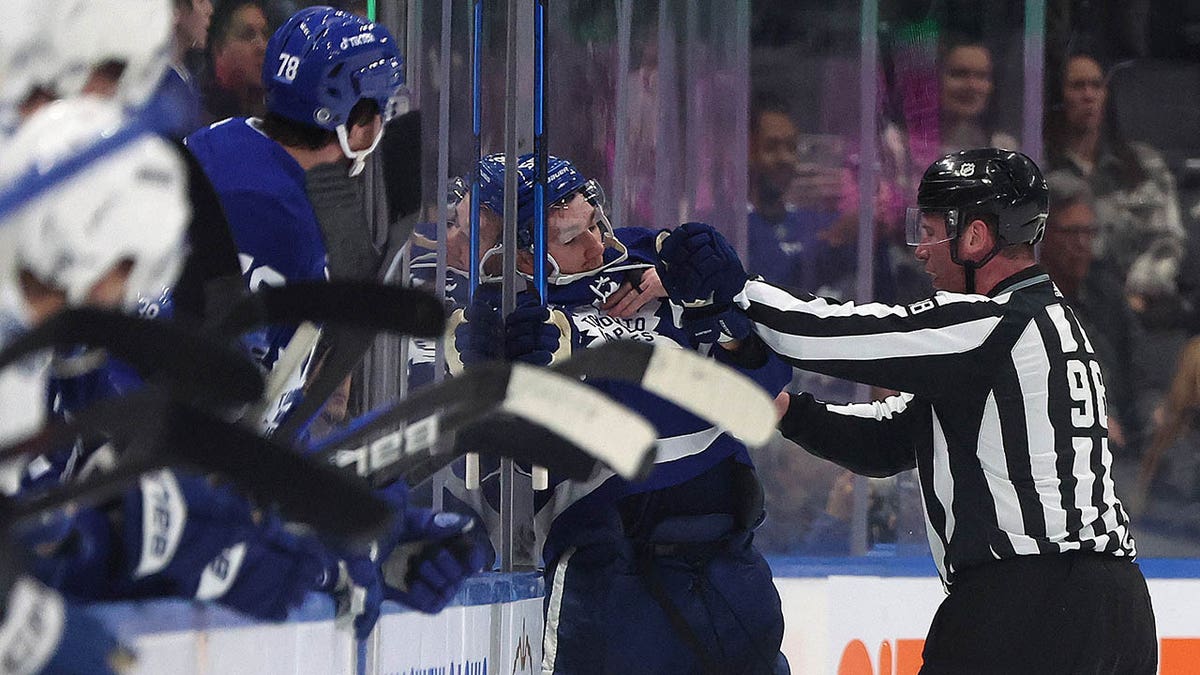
330,78
1002,413
659,576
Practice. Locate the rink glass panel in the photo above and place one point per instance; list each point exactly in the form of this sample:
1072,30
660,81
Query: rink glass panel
861,89
652,99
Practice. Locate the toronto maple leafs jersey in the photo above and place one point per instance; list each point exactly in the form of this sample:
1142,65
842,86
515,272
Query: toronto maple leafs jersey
687,445
262,189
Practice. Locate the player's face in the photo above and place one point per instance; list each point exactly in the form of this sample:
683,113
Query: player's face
1084,94
966,82
773,152
239,61
934,252
1067,245
191,23
574,237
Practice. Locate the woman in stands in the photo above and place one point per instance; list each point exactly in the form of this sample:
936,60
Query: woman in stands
1136,201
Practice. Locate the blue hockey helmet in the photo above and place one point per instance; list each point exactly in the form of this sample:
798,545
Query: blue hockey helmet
563,181
491,182
321,62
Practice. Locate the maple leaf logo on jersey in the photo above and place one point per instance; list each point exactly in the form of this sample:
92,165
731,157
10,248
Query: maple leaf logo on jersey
603,287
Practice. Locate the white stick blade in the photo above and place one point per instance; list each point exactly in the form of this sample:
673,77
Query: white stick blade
712,391
608,431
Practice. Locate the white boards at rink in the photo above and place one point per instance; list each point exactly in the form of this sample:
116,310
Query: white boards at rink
843,617
871,624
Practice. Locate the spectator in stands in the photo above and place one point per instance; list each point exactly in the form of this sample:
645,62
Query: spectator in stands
802,225
192,19
1094,292
964,114
333,413
1136,201
780,237
1163,313
237,41
808,505
965,72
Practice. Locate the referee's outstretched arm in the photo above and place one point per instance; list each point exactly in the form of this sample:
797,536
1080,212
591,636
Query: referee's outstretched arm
872,439
923,348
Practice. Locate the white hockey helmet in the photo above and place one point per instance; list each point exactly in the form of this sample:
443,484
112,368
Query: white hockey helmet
136,33
26,58
129,205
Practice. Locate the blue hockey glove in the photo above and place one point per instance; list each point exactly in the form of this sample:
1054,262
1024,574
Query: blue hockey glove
713,324
175,524
40,632
535,334
73,553
355,584
267,574
441,551
698,267
478,335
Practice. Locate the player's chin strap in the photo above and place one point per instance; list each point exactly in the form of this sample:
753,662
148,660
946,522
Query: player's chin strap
554,276
358,158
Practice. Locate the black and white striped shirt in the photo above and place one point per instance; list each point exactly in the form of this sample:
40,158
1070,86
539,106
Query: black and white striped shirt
1003,412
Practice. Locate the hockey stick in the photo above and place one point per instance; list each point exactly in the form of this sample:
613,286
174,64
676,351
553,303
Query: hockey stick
159,433
358,304
338,206
351,310
539,477
581,425
192,366
700,385
472,459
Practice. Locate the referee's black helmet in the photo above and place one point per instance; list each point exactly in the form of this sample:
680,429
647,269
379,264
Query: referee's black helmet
1004,184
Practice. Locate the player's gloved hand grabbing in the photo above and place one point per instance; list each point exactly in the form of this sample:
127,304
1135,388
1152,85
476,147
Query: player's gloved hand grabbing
536,334
440,551
478,335
701,271
711,324
698,267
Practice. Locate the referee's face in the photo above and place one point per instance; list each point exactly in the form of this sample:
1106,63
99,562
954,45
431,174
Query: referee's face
934,253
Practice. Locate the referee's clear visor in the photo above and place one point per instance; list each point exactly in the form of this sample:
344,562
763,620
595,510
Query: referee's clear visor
929,226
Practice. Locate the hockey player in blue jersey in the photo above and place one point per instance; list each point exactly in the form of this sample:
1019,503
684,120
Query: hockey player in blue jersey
659,576
330,79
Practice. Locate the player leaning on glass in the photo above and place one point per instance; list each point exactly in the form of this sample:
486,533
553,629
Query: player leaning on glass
1002,413
657,576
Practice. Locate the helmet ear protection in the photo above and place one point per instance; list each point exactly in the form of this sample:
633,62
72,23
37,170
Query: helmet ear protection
321,62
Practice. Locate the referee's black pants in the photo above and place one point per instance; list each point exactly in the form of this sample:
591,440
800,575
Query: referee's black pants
1045,615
